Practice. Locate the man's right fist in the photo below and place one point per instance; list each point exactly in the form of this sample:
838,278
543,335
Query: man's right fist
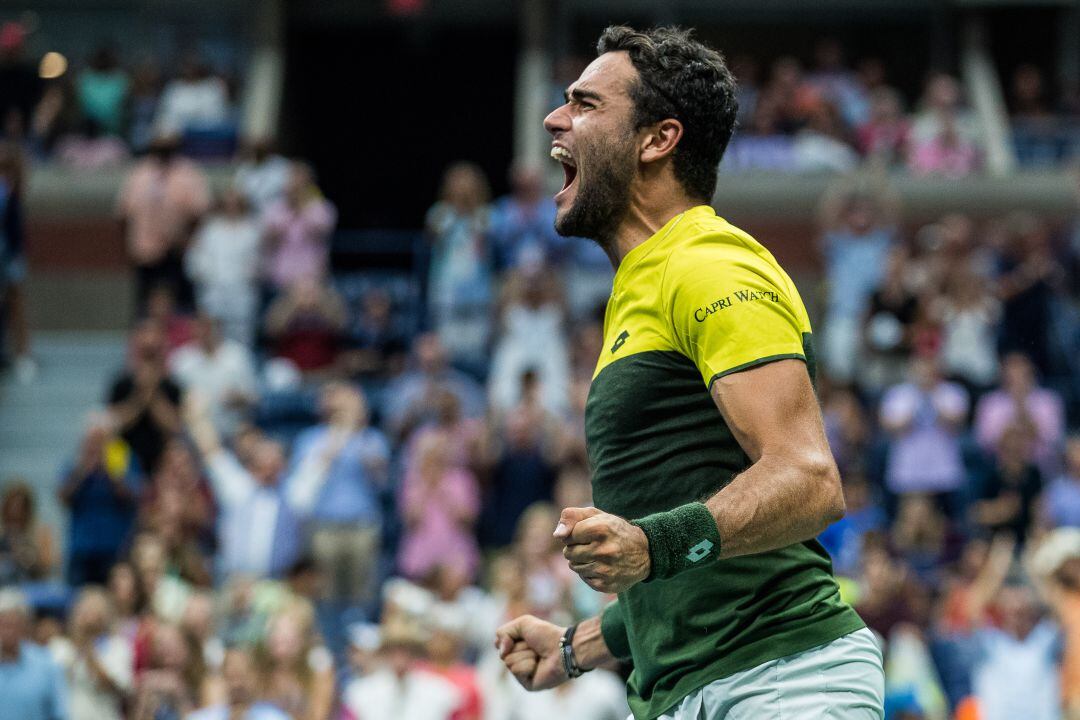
529,647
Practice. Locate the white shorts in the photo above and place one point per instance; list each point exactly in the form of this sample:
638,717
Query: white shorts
841,680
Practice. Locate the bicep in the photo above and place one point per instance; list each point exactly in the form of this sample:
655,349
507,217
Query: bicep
771,408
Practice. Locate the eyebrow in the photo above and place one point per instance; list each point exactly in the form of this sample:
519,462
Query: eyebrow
579,94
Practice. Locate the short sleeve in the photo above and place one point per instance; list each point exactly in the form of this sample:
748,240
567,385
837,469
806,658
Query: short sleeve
731,313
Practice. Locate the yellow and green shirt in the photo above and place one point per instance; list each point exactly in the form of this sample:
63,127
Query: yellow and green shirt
698,300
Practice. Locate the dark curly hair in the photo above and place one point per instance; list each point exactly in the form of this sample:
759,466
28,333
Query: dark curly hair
681,78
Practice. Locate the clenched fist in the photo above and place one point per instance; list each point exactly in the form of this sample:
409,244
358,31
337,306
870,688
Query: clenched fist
607,552
529,647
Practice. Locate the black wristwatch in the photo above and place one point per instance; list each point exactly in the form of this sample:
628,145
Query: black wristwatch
566,647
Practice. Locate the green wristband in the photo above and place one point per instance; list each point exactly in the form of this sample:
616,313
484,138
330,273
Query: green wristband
680,539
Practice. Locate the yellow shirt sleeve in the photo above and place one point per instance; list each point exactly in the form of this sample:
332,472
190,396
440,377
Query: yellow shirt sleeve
732,309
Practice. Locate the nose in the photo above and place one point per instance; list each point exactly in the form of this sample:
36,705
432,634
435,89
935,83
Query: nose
558,120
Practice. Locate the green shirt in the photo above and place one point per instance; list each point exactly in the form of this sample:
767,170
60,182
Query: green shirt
698,300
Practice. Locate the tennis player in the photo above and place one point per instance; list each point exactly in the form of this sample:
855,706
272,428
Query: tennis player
712,474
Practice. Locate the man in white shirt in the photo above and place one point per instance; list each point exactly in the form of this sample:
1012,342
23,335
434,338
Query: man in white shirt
220,370
259,533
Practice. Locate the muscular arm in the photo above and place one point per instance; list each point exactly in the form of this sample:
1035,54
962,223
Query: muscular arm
792,490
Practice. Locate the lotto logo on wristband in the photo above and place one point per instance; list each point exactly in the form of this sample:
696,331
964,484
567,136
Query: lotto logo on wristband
699,551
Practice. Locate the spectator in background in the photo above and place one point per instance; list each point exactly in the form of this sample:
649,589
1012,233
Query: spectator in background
858,232
169,688
439,505
220,370
1015,673
13,261
548,581
128,600
1061,502
297,231
194,100
143,400
1021,402
837,83
889,330
338,471
31,685
223,263
1027,275
103,89
306,327
295,670
376,347
27,549
178,327
20,87
400,687
445,658
883,138
164,592
762,146
944,136
967,313
522,229
460,284
823,145
1006,501
410,397
523,474
890,595
259,534
532,308
101,489
241,693
924,418
947,154
465,436
145,90
795,99
263,174
180,477
942,108
847,428
161,202
98,662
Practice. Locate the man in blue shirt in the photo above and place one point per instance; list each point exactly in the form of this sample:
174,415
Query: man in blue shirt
338,471
31,684
101,490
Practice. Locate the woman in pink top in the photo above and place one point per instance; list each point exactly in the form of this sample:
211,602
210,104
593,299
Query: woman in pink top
297,231
439,504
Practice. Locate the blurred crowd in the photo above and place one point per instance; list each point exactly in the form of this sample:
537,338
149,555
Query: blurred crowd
308,494
102,111
949,394
832,117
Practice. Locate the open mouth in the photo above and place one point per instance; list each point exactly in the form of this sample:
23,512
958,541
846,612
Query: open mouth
569,165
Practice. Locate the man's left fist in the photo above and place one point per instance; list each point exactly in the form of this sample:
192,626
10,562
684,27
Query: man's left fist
607,552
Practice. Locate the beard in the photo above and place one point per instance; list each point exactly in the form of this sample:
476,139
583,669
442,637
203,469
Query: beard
603,194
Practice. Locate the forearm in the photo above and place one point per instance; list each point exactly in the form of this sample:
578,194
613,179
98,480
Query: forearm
776,503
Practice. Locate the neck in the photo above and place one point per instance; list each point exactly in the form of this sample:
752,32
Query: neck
651,207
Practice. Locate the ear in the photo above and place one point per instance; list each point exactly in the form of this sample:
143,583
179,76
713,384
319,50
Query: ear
658,141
